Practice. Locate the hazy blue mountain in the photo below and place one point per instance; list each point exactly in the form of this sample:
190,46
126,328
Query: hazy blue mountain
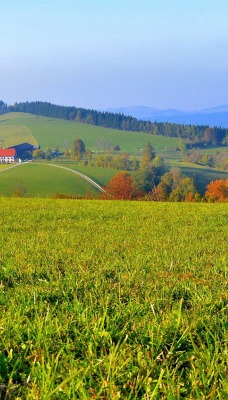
142,112
216,116
220,109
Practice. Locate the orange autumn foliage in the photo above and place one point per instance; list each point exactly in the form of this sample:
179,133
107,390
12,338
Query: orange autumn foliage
217,191
120,187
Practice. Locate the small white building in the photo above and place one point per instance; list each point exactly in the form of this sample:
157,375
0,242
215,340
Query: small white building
7,156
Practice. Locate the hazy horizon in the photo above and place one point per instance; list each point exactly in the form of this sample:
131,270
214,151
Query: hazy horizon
98,54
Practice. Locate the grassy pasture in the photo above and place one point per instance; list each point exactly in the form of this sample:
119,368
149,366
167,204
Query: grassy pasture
113,300
43,181
100,175
51,132
11,135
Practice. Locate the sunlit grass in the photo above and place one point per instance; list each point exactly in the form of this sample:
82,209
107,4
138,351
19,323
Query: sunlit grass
113,300
43,181
6,166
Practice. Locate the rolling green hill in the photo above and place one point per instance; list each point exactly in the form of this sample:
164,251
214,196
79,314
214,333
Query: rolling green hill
40,180
37,180
51,132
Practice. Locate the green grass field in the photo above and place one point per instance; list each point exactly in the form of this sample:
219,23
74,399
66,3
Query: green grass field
113,300
100,175
52,132
43,181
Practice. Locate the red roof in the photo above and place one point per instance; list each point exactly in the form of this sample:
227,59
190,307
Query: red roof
7,152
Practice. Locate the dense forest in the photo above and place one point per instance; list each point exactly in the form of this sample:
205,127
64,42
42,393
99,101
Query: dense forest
192,134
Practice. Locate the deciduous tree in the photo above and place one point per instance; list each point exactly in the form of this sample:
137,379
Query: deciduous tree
38,153
217,191
182,147
159,193
148,154
78,149
145,179
121,187
48,154
181,192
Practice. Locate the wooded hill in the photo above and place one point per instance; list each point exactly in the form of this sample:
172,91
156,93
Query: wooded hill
192,134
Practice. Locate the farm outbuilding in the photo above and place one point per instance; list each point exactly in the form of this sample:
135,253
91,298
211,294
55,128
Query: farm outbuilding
7,156
24,150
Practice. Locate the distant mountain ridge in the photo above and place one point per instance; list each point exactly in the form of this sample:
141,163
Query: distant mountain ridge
215,116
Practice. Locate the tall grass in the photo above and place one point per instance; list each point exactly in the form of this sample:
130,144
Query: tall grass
113,300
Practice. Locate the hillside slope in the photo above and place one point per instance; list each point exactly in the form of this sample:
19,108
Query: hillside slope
54,132
41,180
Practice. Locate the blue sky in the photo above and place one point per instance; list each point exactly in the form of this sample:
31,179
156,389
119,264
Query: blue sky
112,53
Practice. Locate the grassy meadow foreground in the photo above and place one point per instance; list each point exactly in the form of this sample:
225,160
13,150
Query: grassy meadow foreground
113,300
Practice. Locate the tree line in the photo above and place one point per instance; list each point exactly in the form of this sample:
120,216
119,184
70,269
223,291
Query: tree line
151,181
194,135
173,187
218,160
